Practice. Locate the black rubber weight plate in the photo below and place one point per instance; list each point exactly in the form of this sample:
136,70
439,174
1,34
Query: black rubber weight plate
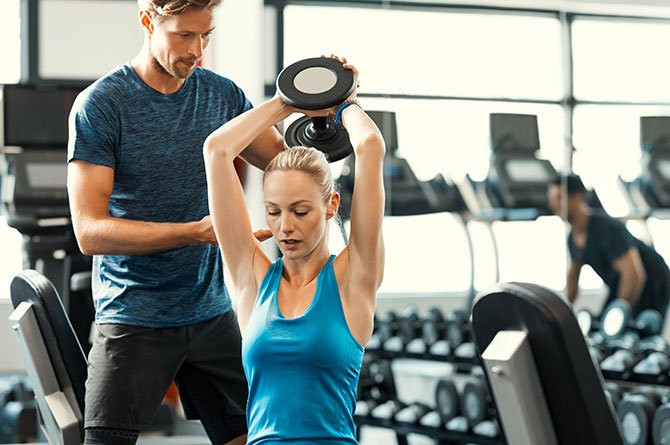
343,87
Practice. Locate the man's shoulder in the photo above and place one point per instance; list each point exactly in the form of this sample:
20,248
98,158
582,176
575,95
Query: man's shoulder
212,78
110,88
600,218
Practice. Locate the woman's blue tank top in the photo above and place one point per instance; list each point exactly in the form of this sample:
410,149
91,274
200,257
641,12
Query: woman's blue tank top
302,372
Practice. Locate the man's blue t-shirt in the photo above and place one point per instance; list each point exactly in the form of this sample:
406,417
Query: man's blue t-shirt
607,240
154,142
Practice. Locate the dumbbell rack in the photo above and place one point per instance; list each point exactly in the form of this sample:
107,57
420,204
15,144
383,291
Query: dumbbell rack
441,436
631,377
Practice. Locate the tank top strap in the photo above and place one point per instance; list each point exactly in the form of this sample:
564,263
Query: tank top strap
270,282
329,300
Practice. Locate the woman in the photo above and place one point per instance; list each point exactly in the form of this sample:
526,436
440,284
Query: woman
304,318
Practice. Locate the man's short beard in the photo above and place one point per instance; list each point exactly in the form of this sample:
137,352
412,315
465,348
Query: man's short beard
163,70
160,68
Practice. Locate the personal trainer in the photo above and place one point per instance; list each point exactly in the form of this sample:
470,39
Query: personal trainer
138,196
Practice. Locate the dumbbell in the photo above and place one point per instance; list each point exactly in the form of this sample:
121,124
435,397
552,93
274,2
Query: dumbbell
627,341
387,327
366,391
587,321
383,386
410,330
458,328
365,382
315,84
617,318
614,394
18,414
412,413
655,364
660,425
635,412
655,343
387,410
425,332
447,400
621,361
476,404
434,332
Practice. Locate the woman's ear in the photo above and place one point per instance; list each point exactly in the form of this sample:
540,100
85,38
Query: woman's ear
333,205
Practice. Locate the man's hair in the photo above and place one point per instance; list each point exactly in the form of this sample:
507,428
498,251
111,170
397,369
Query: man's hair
165,8
574,184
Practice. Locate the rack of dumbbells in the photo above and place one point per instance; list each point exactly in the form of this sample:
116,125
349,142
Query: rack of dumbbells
461,411
635,362
18,411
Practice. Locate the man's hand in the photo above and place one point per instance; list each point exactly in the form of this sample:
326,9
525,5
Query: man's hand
205,231
262,235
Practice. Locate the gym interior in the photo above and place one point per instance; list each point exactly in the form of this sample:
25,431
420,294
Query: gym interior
483,106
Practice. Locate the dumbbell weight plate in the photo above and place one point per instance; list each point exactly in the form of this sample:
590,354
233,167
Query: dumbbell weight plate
615,318
474,401
649,323
585,321
660,428
315,83
321,133
635,413
446,400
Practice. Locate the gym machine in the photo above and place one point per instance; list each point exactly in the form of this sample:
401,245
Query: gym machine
33,192
515,188
57,367
541,373
649,194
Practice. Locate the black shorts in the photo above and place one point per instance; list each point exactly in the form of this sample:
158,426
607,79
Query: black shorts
130,369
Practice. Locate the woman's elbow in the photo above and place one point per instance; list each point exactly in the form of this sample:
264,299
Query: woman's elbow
372,144
216,146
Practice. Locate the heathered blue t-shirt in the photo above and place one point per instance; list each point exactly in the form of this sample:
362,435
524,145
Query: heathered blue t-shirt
154,142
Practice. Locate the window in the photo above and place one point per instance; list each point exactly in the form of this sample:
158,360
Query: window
404,54
621,61
611,133
434,53
10,36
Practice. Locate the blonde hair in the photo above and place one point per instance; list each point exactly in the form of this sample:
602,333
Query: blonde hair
307,160
165,8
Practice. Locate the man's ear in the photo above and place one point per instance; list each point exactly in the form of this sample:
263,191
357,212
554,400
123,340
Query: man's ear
146,21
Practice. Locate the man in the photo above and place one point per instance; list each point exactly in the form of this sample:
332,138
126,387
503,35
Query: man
138,195
632,270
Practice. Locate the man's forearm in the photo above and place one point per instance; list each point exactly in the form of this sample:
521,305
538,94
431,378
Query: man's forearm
572,287
630,288
117,236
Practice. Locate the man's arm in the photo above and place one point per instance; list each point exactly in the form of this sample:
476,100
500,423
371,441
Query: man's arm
90,188
632,276
264,148
572,285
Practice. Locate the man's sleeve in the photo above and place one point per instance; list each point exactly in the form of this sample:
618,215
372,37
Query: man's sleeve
93,130
616,240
